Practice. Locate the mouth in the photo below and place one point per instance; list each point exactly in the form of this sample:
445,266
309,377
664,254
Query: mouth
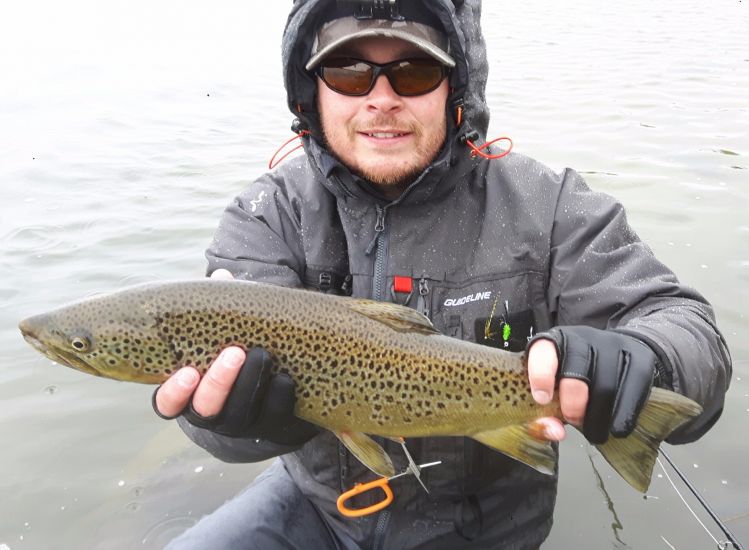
29,334
385,134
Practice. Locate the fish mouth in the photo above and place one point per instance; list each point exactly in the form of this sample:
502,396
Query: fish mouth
55,354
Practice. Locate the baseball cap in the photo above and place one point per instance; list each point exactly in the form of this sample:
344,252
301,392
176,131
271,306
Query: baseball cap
337,32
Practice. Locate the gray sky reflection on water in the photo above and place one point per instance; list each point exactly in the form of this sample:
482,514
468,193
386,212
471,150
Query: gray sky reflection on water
126,129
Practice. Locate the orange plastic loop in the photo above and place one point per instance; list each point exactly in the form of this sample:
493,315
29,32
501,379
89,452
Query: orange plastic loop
360,488
459,116
273,162
479,150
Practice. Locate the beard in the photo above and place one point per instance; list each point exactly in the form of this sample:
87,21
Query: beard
389,174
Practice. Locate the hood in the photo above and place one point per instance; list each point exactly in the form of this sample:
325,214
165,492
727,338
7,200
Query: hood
461,23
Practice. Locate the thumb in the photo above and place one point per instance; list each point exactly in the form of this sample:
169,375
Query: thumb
222,274
542,370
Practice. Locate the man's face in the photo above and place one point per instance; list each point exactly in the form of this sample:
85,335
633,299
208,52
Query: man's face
386,138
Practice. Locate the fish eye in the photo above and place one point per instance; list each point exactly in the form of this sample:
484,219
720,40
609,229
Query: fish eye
80,343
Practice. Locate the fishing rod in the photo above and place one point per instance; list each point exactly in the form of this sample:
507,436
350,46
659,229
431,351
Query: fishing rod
722,545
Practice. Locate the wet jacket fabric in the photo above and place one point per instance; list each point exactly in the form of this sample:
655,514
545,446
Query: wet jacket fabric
486,244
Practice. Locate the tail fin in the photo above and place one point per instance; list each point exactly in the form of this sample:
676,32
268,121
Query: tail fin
633,457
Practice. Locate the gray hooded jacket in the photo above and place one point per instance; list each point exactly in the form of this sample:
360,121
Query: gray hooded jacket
474,235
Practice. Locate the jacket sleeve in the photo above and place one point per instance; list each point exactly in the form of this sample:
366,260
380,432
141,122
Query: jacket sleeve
602,275
257,239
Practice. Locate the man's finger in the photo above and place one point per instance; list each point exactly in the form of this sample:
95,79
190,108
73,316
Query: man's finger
573,398
542,370
547,429
174,394
211,393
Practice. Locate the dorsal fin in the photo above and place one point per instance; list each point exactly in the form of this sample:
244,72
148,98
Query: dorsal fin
397,317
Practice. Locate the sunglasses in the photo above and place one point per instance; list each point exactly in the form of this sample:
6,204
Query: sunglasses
357,77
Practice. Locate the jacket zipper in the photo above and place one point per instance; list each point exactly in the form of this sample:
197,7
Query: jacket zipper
421,303
379,533
342,466
378,280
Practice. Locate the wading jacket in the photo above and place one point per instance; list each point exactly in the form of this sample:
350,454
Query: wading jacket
492,252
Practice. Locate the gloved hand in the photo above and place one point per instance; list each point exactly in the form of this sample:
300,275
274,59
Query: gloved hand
260,405
619,370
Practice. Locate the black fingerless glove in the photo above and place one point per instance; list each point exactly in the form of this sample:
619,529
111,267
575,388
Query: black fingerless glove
260,405
619,370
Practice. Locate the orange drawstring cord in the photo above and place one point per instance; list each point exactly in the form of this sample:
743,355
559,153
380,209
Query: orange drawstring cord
478,150
273,162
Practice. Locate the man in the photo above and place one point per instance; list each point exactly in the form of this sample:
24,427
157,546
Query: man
389,203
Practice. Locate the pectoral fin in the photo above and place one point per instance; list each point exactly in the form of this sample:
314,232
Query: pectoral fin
368,452
516,441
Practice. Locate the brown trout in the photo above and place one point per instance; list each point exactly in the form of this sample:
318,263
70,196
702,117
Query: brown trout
360,367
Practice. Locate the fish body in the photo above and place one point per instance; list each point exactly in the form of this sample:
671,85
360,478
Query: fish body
359,366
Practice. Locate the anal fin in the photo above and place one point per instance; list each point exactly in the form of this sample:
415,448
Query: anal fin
517,442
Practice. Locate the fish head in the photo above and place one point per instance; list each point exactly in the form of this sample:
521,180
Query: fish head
103,337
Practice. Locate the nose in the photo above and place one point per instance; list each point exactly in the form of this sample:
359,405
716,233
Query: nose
383,98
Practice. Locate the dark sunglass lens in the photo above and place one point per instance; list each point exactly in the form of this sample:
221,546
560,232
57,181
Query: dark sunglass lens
416,76
347,76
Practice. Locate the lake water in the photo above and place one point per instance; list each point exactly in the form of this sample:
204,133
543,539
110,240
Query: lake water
125,128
